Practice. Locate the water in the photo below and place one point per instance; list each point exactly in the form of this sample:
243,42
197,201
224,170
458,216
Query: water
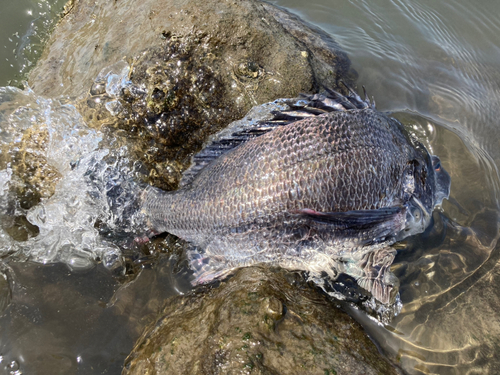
24,27
434,64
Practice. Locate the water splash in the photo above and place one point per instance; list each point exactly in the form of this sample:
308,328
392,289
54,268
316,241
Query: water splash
5,209
113,80
95,188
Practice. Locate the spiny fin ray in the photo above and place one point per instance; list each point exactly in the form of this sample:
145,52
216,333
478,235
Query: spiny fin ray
279,113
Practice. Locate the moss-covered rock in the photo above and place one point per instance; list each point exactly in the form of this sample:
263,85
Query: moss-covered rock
261,321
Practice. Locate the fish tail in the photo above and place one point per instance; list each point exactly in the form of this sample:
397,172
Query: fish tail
155,208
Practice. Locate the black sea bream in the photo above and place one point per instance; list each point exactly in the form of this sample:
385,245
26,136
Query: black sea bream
325,186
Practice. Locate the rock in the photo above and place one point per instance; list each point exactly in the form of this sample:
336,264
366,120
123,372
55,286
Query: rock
195,67
248,43
260,321
30,165
34,179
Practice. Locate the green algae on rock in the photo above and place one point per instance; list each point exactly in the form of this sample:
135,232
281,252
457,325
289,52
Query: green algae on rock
261,321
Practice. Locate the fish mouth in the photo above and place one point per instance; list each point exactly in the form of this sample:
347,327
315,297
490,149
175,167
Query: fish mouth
442,182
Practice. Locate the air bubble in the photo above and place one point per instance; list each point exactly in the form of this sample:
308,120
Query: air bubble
116,78
98,88
114,107
13,365
113,260
79,262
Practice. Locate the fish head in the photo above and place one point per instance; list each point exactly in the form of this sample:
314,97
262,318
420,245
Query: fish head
430,185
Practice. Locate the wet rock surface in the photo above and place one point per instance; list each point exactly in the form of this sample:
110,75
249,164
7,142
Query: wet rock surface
249,43
260,321
36,180
30,163
195,67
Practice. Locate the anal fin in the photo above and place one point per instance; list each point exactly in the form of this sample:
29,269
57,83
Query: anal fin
373,274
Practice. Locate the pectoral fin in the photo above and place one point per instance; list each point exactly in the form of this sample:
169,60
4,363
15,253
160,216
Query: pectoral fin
362,219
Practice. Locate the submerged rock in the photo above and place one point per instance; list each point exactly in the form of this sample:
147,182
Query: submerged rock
194,68
260,321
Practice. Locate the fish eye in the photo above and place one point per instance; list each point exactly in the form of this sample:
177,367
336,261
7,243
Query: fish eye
416,213
436,163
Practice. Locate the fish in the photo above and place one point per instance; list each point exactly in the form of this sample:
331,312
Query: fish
326,184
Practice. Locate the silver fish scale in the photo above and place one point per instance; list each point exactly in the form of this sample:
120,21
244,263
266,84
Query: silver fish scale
341,161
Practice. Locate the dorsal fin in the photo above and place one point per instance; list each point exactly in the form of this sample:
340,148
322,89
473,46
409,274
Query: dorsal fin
319,104
254,124
266,117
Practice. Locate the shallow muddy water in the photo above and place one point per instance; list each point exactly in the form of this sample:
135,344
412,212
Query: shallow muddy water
435,67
